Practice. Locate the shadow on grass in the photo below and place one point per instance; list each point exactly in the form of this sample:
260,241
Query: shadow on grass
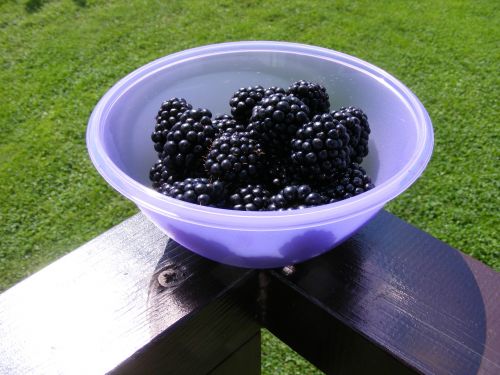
81,3
32,6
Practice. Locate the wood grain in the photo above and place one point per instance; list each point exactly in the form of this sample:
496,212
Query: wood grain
101,305
219,318
392,299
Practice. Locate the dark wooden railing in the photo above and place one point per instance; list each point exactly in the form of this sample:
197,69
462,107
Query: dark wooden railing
391,300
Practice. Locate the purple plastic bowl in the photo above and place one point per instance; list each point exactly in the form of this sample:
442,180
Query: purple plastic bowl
118,139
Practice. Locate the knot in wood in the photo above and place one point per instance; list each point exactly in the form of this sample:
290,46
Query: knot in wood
171,276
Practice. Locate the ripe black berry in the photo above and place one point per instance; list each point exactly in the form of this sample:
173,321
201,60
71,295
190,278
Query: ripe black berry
188,141
249,198
227,124
196,190
353,181
320,148
167,116
276,120
243,101
356,123
280,172
234,157
160,175
295,196
274,90
313,95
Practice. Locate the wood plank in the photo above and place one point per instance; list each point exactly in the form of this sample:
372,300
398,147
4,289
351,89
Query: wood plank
94,308
221,318
392,299
245,361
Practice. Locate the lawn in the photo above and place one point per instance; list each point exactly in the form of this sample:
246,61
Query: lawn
60,56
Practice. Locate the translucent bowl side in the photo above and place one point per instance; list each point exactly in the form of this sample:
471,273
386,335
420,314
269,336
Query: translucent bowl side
260,249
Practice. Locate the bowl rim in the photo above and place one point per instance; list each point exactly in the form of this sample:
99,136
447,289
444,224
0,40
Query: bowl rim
147,198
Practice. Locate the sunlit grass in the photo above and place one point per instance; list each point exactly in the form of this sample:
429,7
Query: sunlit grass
59,57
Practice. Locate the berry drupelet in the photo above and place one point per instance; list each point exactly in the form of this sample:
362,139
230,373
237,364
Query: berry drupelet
188,141
276,120
353,181
356,123
167,116
249,198
320,149
243,101
295,196
196,190
234,157
313,95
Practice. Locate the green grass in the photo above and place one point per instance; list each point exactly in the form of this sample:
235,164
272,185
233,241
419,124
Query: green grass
59,57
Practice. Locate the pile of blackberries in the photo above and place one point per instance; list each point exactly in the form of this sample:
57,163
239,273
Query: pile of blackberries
280,149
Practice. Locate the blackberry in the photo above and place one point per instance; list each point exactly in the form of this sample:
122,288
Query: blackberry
227,124
196,190
243,101
320,148
294,197
169,113
276,120
356,123
351,182
159,175
188,141
274,90
280,173
250,198
313,95
234,157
